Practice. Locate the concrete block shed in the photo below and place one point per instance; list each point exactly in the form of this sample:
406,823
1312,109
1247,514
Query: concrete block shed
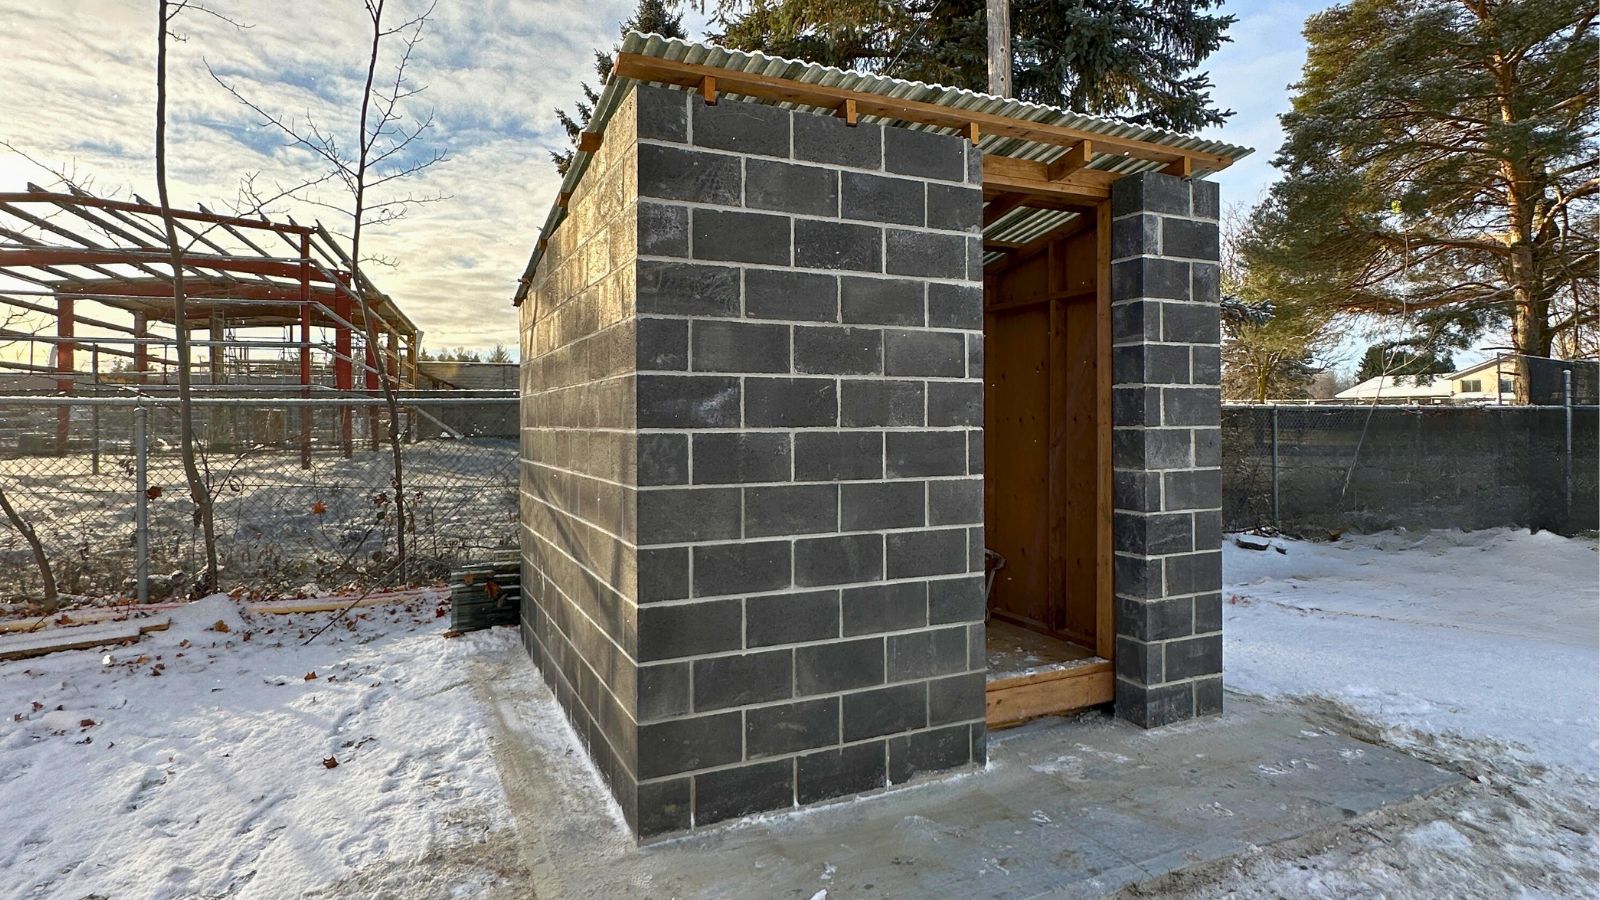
809,357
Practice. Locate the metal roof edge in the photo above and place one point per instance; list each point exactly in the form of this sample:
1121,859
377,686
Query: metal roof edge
704,53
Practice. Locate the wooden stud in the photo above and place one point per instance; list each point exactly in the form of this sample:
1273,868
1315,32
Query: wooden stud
563,198
708,89
974,133
1076,157
1105,609
589,141
847,111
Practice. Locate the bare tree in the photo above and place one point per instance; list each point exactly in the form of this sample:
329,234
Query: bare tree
385,152
199,490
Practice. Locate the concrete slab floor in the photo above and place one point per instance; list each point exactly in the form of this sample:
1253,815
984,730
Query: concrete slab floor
1067,808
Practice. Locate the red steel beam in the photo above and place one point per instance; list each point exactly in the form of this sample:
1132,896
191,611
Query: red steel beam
64,380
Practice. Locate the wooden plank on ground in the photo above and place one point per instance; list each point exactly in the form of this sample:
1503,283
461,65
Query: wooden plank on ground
277,607
1084,686
24,646
330,604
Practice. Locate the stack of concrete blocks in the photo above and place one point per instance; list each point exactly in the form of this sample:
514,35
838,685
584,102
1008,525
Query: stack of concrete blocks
1167,449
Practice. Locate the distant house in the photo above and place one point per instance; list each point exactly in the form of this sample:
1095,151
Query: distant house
1491,381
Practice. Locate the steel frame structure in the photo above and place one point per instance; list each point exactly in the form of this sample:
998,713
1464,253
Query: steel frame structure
82,274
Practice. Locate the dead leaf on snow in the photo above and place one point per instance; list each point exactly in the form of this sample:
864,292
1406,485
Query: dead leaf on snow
311,676
330,763
221,627
86,723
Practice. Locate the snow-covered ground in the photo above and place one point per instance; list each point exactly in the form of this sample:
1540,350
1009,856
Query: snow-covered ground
192,764
1476,651
1487,635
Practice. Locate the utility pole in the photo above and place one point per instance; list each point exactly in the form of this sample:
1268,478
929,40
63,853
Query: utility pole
1000,48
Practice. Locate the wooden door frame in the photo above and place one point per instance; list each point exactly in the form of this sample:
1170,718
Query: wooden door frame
1104,644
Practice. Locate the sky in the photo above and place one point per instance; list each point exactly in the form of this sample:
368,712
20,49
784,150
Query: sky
79,97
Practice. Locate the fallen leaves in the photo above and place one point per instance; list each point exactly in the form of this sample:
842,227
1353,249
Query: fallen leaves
86,723
319,508
220,626
330,763
311,676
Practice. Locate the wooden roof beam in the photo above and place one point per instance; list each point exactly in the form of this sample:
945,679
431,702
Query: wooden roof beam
784,90
1077,157
1085,187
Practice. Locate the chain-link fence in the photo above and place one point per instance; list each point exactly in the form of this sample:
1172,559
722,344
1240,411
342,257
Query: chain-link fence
1322,469
303,491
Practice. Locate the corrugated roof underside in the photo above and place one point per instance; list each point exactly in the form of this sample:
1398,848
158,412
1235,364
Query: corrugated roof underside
1018,226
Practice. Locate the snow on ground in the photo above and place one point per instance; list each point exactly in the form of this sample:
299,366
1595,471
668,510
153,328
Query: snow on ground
192,763
1487,634
1476,651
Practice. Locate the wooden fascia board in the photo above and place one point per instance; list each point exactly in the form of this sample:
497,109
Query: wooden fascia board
768,87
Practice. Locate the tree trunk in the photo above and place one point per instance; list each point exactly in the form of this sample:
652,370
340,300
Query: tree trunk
374,346
199,491
51,600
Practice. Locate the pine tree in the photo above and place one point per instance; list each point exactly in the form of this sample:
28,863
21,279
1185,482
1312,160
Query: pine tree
652,17
1397,358
1134,60
1442,167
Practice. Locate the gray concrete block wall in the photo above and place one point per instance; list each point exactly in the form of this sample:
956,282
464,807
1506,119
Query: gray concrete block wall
1166,448
579,463
809,414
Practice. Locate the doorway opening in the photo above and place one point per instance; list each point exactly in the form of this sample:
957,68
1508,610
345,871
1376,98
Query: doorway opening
1047,472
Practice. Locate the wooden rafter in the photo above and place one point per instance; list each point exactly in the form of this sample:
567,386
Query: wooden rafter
769,87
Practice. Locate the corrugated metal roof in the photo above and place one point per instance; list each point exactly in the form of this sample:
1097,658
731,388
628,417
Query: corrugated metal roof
1017,226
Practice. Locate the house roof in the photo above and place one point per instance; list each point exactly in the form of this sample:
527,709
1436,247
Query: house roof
1407,386
1056,162
1397,387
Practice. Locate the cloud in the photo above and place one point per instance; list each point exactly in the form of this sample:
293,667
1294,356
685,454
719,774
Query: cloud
80,93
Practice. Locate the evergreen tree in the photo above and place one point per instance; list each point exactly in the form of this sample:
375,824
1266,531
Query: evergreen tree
1395,358
1134,60
1441,165
652,17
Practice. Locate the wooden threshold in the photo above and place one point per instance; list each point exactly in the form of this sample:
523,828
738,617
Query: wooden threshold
1032,675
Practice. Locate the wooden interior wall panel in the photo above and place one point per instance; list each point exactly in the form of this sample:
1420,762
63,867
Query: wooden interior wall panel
1016,466
1046,440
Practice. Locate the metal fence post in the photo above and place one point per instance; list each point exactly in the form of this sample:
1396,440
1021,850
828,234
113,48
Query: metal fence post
141,507
1275,522
1566,473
